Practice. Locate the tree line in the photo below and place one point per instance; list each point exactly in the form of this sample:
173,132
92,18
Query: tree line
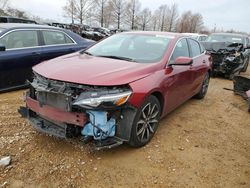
6,10
128,14
122,14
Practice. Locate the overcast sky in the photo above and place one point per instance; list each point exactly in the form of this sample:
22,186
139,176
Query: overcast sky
226,14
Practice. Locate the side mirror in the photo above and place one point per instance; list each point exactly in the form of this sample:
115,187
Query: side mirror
2,48
183,61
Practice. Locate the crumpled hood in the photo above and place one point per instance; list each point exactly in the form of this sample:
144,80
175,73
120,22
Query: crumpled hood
90,70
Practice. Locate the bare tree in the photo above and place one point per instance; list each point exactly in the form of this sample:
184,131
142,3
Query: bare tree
118,10
173,16
132,11
145,18
82,8
163,10
70,10
189,22
155,21
100,6
108,14
183,22
4,4
196,23
17,13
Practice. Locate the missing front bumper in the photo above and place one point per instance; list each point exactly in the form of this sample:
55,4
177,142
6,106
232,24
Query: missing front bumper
55,114
52,121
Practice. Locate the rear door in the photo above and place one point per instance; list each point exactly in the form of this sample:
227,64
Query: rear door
199,66
22,52
56,43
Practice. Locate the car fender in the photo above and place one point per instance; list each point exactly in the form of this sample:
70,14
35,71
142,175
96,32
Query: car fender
146,86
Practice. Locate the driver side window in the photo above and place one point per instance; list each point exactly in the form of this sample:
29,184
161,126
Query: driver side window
181,50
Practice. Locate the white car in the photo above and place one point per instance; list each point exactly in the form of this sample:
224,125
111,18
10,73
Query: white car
197,36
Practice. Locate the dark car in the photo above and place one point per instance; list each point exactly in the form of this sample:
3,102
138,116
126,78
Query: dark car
102,30
25,45
8,19
117,90
230,53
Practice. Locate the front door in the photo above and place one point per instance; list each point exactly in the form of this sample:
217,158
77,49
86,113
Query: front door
178,78
22,52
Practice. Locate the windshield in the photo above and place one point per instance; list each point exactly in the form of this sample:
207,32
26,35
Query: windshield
134,47
225,38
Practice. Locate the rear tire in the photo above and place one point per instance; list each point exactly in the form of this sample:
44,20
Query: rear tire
146,122
203,91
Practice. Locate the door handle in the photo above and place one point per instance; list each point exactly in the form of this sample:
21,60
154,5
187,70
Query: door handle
204,61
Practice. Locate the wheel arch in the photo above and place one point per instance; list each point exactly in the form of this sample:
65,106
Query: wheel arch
160,98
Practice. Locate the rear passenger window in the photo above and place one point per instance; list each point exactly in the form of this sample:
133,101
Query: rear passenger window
54,37
20,39
181,50
195,48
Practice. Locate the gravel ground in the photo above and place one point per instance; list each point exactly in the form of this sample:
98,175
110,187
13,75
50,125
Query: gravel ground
201,144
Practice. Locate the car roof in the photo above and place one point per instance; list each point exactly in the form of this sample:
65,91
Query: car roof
175,35
194,34
230,34
25,25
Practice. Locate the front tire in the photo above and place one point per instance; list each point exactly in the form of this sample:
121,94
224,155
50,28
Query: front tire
203,91
146,122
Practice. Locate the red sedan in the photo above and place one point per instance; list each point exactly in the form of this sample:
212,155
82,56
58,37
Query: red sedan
117,90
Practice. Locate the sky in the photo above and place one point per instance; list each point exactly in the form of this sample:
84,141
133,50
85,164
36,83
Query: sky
222,14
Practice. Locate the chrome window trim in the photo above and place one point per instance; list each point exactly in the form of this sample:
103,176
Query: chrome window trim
43,46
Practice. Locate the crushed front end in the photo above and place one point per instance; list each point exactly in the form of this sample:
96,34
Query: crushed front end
228,59
94,113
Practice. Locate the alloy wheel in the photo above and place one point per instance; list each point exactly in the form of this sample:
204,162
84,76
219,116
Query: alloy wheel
148,121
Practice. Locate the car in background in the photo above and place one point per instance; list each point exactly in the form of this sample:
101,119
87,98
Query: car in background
25,45
229,38
114,31
102,30
230,53
8,19
197,36
117,90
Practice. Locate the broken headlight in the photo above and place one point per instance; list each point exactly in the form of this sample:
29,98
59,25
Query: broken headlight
102,98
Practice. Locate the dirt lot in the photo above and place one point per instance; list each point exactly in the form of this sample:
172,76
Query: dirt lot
201,144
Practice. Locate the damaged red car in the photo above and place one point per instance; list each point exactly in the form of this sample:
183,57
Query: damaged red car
117,90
